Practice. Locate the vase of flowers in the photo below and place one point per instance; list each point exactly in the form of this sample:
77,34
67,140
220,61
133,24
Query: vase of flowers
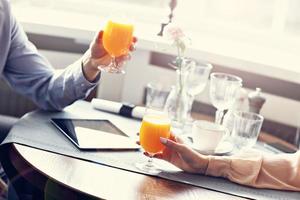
177,103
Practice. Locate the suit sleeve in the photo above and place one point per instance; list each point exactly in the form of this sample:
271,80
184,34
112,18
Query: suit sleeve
31,74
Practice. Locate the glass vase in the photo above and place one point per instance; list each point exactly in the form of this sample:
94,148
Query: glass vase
178,103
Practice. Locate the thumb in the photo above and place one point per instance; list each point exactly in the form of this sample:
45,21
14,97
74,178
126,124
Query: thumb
98,37
180,148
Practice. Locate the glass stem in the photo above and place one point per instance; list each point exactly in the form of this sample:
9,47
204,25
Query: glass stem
150,162
113,62
219,116
191,100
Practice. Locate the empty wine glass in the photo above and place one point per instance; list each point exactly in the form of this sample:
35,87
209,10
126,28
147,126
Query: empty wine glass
223,90
197,79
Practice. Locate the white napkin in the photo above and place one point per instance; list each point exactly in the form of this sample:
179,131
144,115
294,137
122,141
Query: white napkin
118,108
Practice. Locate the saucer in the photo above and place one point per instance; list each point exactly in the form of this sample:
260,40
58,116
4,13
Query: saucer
223,148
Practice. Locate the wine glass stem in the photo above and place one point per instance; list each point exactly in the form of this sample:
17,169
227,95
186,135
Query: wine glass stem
219,116
150,162
113,62
191,100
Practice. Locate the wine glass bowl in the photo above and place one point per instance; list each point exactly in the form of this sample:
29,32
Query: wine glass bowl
153,127
223,91
117,39
197,77
196,81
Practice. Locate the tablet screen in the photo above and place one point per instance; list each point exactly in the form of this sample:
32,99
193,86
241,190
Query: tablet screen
94,134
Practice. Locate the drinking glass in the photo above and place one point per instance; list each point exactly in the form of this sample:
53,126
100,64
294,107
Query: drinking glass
117,38
246,128
155,124
223,91
156,95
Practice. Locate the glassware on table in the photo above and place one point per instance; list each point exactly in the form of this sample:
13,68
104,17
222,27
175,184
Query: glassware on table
197,77
117,38
177,107
155,124
156,95
191,80
196,80
223,90
246,128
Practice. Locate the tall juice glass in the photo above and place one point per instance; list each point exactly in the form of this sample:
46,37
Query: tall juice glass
117,38
154,126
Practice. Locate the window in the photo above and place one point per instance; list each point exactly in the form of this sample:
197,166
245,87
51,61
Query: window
233,17
142,11
269,18
293,18
237,33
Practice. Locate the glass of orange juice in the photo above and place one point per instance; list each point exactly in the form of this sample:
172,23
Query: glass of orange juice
117,38
155,124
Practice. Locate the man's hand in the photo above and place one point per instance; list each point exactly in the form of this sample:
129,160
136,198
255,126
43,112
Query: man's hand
182,156
96,58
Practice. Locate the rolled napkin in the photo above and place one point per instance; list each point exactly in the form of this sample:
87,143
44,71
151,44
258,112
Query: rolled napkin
125,110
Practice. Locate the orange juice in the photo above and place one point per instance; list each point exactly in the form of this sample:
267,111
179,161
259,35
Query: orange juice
153,127
117,38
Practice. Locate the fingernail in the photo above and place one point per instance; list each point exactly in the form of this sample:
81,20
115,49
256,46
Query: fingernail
163,140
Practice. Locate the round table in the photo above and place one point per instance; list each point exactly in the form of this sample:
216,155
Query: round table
62,177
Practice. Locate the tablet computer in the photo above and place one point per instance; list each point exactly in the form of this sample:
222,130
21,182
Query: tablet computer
90,134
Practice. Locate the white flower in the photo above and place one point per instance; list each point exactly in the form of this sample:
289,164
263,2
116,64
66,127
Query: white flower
173,32
176,34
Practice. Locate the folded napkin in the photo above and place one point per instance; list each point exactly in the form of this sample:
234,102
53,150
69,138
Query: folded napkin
126,110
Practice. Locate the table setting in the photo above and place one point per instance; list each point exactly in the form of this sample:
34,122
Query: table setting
240,123
51,140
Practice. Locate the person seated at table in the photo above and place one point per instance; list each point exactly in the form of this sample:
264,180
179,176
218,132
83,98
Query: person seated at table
250,167
31,74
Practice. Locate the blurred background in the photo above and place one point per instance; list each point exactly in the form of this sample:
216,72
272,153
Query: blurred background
256,40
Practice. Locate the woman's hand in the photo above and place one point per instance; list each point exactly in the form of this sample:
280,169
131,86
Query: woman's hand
96,58
182,156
